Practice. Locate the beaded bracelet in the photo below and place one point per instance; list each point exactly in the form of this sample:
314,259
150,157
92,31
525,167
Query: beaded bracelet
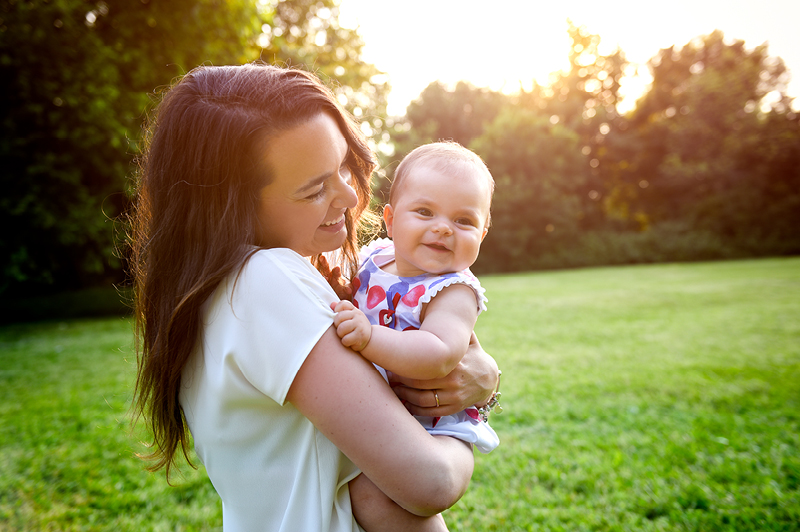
494,402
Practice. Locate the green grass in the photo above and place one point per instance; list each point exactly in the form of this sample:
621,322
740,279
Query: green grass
658,397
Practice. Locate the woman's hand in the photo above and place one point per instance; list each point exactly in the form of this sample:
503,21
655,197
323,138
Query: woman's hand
472,382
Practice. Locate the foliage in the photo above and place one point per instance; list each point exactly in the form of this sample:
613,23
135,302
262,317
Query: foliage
538,170
308,33
584,100
696,122
639,398
704,167
585,97
702,149
459,114
79,78
440,113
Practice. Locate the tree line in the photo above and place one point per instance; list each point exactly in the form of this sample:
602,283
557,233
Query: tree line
702,168
79,77
706,166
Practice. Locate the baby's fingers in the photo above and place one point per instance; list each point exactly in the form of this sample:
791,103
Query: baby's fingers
355,339
343,324
342,306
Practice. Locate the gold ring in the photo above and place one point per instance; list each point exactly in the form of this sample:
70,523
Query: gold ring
436,396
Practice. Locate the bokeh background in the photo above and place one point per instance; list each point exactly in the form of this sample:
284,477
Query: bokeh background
689,152
639,397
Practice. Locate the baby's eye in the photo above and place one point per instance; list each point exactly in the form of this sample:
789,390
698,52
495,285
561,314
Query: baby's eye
466,221
423,212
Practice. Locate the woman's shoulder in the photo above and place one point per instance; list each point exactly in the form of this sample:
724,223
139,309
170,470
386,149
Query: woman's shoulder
272,269
279,260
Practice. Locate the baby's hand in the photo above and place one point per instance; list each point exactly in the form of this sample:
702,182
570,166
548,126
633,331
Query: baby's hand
352,325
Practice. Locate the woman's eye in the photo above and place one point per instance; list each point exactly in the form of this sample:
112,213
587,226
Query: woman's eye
319,193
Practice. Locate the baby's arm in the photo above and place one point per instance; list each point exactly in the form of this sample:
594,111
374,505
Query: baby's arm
431,352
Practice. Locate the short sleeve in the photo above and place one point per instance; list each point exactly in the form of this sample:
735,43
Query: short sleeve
279,309
374,246
463,277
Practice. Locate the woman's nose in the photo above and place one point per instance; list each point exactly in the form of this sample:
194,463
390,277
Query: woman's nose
346,197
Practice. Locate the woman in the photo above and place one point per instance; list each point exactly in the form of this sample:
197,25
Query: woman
250,174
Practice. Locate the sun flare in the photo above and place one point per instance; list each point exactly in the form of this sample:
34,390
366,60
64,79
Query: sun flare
509,44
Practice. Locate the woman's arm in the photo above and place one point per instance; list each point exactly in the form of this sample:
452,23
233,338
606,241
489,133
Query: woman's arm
375,512
472,382
431,352
345,397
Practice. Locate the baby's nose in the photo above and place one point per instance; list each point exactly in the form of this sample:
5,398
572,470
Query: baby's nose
442,227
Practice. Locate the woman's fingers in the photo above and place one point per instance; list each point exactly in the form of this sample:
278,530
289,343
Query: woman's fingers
423,402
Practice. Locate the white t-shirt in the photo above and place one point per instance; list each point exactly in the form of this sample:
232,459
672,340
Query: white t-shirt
273,470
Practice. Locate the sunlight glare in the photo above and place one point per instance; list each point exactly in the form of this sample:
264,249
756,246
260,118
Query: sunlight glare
510,44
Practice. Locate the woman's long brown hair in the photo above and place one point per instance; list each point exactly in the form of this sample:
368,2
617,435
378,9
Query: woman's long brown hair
195,217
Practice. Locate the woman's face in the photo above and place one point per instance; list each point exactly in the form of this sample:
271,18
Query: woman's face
303,207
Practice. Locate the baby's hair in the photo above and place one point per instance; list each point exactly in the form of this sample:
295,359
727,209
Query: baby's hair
440,156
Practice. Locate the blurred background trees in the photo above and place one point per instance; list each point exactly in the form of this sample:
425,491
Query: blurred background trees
79,77
705,166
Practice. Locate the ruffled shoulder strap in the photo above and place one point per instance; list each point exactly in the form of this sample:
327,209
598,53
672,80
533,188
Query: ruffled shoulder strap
440,282
375,246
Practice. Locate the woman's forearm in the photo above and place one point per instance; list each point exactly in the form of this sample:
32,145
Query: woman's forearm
345,397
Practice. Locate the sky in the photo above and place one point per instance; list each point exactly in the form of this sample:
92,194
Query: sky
505,44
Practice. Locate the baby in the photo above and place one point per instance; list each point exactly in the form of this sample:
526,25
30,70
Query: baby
415,302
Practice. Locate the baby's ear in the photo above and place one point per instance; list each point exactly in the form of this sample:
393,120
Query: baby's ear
485,230
388,219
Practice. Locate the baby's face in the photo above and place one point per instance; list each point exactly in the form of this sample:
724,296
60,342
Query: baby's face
438,219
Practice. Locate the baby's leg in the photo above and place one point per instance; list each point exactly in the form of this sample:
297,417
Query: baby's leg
375,512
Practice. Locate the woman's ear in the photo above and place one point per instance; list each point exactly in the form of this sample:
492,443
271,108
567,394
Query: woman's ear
388,218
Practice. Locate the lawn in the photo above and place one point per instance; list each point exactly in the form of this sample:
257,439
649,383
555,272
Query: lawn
656,397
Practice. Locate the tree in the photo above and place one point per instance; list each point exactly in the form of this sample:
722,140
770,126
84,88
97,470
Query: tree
307,32
584,99
538,169
440,113
705,138
81,75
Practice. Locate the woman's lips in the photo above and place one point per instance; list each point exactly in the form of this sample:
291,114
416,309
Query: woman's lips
333,225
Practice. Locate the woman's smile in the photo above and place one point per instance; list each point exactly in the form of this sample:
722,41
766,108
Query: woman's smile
334,225
304,207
